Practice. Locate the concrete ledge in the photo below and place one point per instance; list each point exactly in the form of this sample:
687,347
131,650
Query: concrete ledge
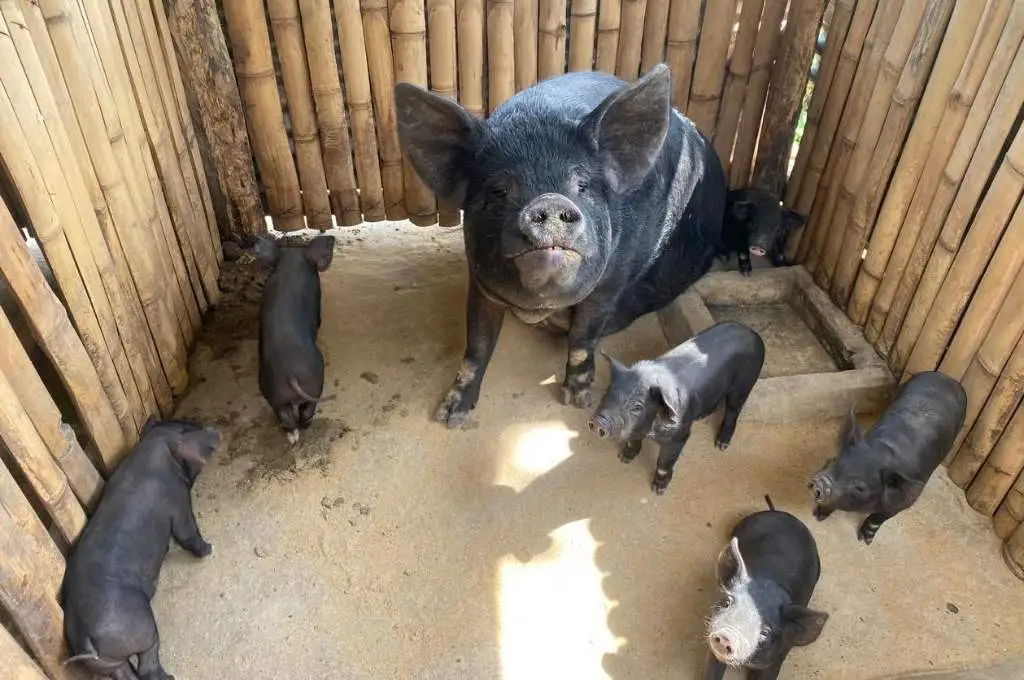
863,381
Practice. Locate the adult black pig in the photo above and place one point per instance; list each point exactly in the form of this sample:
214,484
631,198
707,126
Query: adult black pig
885,471
291,374
767,572
755,224
112,571
583,198
661,398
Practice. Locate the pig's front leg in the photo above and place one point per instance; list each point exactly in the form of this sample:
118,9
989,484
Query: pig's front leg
584,334
483,323
744,262
770,673
186,533
871,526
630,450
713,668
667,458
822,513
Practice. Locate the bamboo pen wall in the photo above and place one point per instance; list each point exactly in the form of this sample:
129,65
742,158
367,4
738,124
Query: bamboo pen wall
911,171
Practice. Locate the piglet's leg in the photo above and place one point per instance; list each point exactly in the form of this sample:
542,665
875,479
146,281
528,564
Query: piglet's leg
483,323
667,458
186,533
770,673
871,526
713,668
744,263
822,513
149,664
630,450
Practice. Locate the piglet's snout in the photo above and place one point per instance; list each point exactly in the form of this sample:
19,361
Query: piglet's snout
599,427
820,487
722,646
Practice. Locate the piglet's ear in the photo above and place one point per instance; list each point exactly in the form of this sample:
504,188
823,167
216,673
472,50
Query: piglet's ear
629,128
666,408
898,490
615,365
196,446
803,625
731,566
743,210
439,137
320,252
266,251
791,219
850,433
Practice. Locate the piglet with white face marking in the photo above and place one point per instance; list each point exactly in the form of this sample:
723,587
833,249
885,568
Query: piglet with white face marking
661,398
767,572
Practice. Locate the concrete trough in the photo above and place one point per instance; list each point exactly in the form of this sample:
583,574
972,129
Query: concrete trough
817,363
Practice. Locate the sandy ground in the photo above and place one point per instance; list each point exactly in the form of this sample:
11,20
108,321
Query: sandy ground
386,546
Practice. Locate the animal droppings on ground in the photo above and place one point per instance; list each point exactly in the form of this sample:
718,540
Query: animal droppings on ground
273,458
370,377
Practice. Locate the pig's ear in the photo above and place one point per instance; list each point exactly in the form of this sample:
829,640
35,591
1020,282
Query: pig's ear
731,566
898,490
743,210
266,251
439,137
850,433
629,128
668,409
320,252
791,219
196,446
802,624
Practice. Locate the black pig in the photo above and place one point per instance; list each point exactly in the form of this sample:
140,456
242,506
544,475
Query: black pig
885,471
291,366
767,572
661,398
112,571
581,194
755,224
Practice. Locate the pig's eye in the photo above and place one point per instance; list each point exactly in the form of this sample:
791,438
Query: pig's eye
766,633
636,409
728,602
582,186
499,192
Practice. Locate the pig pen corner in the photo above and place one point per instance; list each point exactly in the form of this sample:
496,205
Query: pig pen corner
385,545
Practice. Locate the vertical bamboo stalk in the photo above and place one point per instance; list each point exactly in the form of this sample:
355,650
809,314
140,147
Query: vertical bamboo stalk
501,76
551,39
18,663
471,55
408,35
525,33
254,67
955,44
583,27
973,96
382,80
36,54
1001,468
631,35
357,86
443,77
765,46
736,80
609,22
877,159
1011,512
715,34
655,32
925,328
318,31
789,83
1013,552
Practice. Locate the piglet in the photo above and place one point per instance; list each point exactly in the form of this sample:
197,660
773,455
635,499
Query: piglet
755,224
291,372
884,471
660,398
767,572
112,571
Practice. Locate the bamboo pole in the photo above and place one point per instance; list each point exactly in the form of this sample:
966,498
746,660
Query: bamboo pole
931,111
551,39
288,39
408,35
501,76
443,76
655,32
36,53
318,31
736,80
789,83
201,45
380,65
765,47
246,24
903,83
1011,512
609,23
706,88
875,45
1001,468
972,99
360,103
990,423
85,481
18,663
825,132
471,55
631,35
1013,552
583,28
940,296
525,33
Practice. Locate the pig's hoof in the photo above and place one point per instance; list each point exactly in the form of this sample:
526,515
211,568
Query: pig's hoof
660,483
629,451
721,445
203,549
580,397
866,537
821,513
451,412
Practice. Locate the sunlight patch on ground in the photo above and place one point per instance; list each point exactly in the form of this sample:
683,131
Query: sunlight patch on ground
553,612
531,450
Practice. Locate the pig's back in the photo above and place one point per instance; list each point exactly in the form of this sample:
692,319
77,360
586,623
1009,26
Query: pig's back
290,306
779,547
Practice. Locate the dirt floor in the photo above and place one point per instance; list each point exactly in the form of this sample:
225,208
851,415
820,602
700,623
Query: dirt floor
386,546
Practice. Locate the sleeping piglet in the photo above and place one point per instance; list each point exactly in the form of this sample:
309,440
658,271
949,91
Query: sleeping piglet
767,572
661,398
291,372
884,471
112,571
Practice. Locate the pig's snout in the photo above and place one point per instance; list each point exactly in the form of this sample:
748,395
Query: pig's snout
599,426
554,208
551,220
757,250
722,646
820,487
